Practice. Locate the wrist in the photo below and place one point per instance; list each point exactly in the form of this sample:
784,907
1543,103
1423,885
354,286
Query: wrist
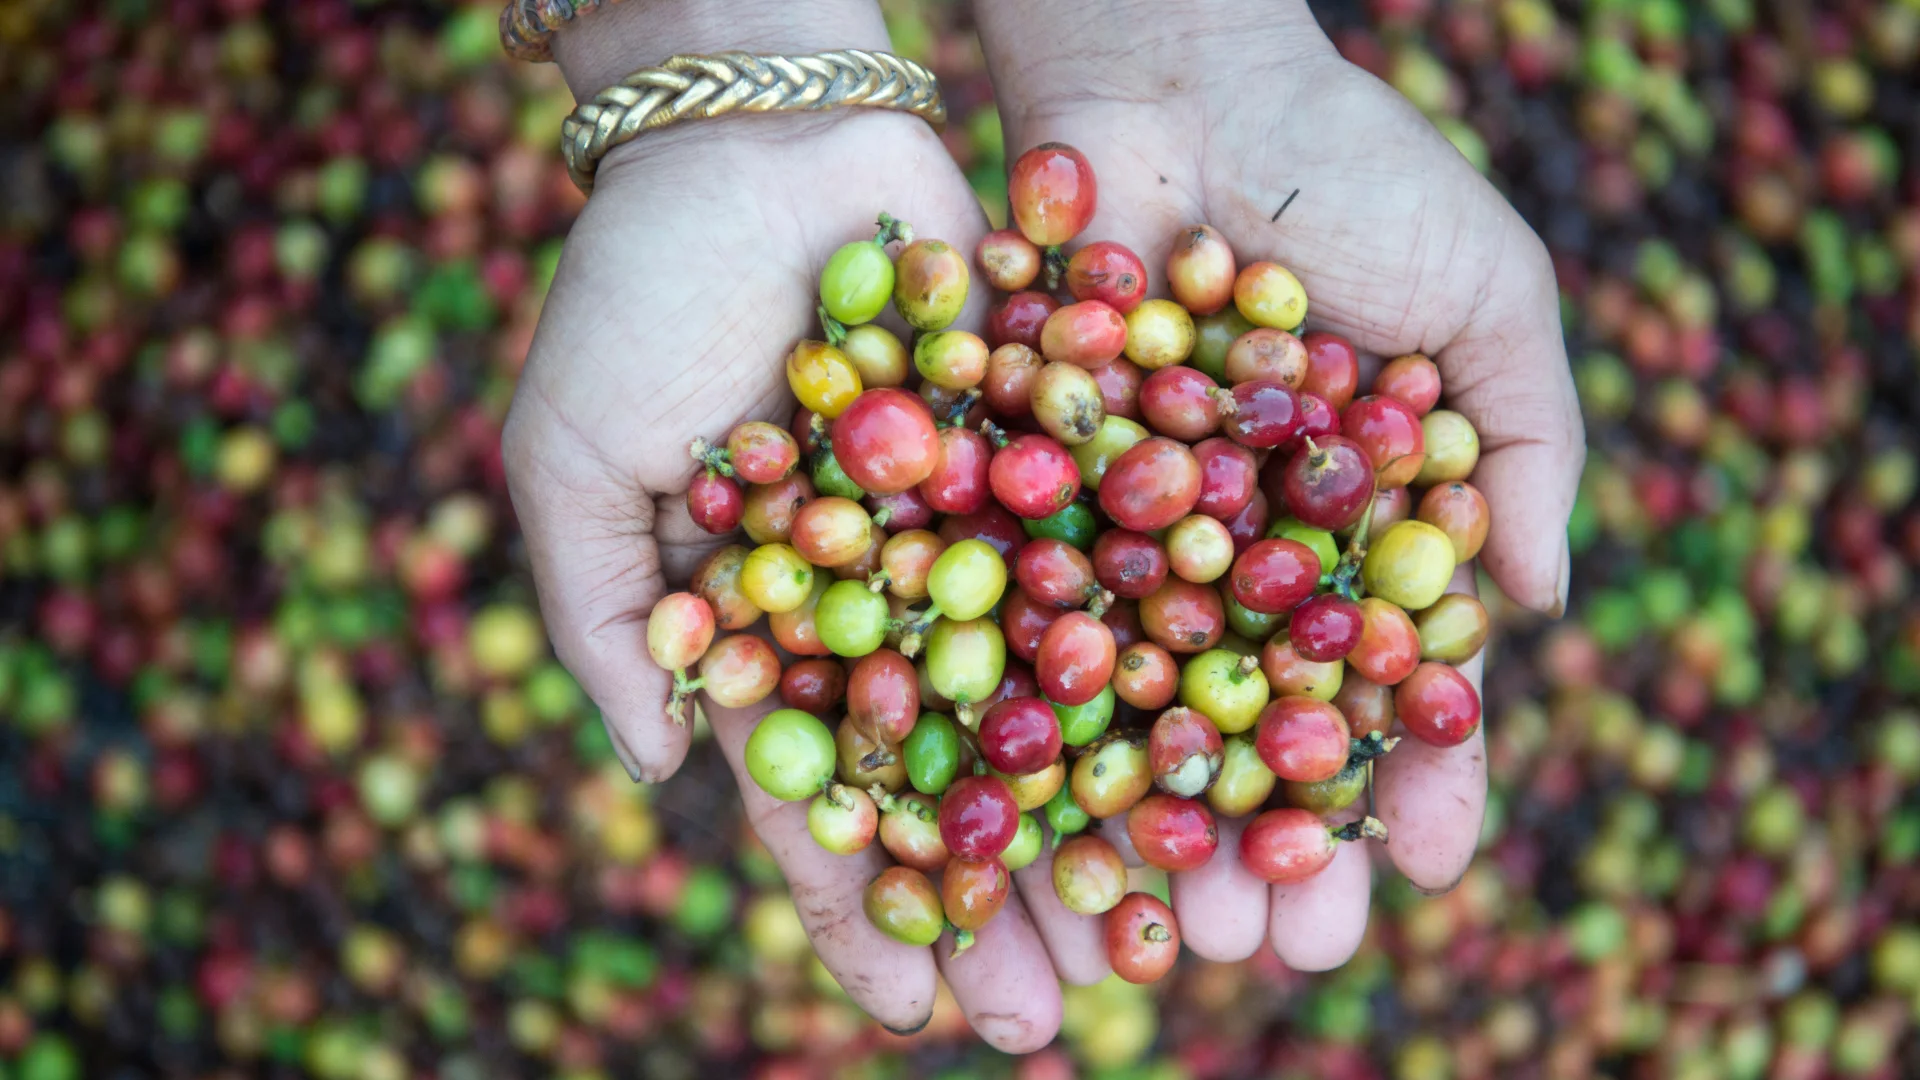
601,49
1135,48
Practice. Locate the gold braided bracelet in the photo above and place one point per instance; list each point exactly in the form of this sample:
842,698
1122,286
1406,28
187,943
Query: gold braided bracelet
697,87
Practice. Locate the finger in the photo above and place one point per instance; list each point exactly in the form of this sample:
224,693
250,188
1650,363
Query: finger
1507,372
893,982
596,568
1004,982
1114,831
1432,798
1317,924
1221,906
1077,943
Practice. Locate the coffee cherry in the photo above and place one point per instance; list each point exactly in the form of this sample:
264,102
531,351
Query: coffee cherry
856,282
972,892
910,832
1053,194
851,619
1453,629
958,483
931,752
1064,816
715,502
1067,402
1160,333
964,662
1389,647
679,629
1027,840
1172,834
1268,294
930,286
1412,380
1075,660
951,359
1367,705
1329,483
1201,270
1459,510
1325,628
1333,368
813,686
1018,321
885,441
1179,402
1302,739
822,378
1109,273
1331,795
1269,355
1152,485
1145,676
1229,689
1143,941
1008,260
1288,672
1129,564
1012,370
1083,723
717,581
883,697
1229,478
1199,548
776,578
905,906
1289,846
1318,422
1260,414
1409,565
1088,875
1112,775
977,817
1032,790
761,453
771,508
1274,576
739,670
1184,752
967,580
1453,448
842,820
790,754
1183,618
1390,434
1119,382
861,762
1033,476
1019,736
879,356
1244,782
1438,705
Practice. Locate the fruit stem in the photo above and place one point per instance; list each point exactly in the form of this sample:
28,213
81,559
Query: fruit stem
833,329
963,712
1370,827
994,434
882,798
1247,666
956,413
683,691
1346,576
962,940
1223,400
879,758
891,229
1376,744
882,516
916,629
715,458
1157,934
818,426
839,795
1100,603
879,580
1053,265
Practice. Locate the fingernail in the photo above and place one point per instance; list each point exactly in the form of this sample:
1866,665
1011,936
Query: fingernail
625,755
912,1030
1564,584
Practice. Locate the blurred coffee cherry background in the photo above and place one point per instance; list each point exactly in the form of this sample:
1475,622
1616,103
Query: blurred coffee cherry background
291,785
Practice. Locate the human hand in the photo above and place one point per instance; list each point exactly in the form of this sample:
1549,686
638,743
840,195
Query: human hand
1211,117
688,276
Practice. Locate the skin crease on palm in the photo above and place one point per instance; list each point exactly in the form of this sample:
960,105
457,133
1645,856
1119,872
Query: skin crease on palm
691,272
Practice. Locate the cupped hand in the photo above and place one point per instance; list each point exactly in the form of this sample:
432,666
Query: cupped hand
1194,112
686,280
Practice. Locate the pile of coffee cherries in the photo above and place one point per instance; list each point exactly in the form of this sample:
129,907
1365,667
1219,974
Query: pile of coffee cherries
1220,574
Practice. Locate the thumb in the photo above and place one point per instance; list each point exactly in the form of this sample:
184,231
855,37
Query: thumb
596,567
1506,371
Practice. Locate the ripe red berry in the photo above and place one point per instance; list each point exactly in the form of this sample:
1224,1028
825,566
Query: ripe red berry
1053,193
1075,659
1329,483
1155,483
978,817
1302,739
1274,576
1019,736
1438,704
1033,476
1171,833
1325,628
1143,941
1107,272
885,441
